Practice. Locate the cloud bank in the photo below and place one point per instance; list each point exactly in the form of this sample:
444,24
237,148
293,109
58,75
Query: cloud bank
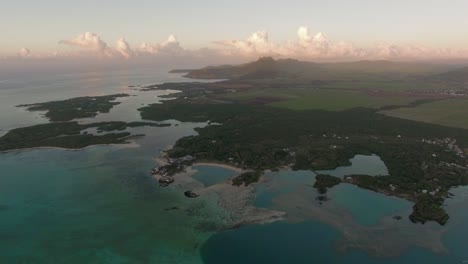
305,46
308,46
88,41
24,53
171,46
123,48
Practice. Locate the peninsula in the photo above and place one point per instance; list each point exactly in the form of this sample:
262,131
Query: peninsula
272,114
260,127
79,107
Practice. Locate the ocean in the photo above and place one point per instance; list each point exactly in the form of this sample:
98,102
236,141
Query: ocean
101,205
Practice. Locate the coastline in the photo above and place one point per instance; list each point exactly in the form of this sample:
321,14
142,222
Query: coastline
161,161
220,165
125,145
235,202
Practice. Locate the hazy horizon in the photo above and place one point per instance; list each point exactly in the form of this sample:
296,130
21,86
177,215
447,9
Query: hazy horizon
216,32
299,131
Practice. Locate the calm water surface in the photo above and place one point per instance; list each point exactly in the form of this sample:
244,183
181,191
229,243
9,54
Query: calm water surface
100,205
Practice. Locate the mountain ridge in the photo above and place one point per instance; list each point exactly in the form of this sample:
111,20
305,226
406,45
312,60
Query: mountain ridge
267,67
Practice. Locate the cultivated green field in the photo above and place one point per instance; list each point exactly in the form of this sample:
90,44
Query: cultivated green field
339,100
319,99
367,83
451,112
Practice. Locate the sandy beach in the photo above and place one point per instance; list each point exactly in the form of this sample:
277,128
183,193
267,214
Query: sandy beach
238,201
161,161
221,165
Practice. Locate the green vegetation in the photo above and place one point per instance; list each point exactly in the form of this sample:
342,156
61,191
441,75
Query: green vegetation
119,125
69,134
181,70
309,116
171,169
177,109
428,187
324,182
79,107
389,85
261,128
253,135
230,72
452,112
428,208
334,100
300,85
268,68
257,136
456,78
247,178
66,135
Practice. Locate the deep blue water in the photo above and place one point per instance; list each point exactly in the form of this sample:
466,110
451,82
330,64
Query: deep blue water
361,164
311,242
308,242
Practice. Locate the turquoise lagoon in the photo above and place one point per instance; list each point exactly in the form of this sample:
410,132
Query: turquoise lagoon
96,205
314,242
360,164
368,207
211,175
100,205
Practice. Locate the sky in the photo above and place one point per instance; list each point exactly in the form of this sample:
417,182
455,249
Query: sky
332,29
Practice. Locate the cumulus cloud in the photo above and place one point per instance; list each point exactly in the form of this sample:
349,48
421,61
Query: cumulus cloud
415,52
93,45
312,46
87,40
24,52
306,40
303,34
306,45
123,48
169,47
256,44
309,46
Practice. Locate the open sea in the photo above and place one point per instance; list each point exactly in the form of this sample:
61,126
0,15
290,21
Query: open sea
101,205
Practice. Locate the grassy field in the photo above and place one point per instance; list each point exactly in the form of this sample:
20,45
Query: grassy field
385,85
319,99
258,137
452,112
250,94
339,100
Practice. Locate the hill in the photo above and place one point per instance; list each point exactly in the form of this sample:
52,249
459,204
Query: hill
457,78
268,67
